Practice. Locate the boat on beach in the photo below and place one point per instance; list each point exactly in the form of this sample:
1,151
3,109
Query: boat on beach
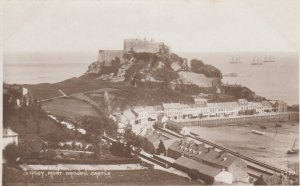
258,132
293,151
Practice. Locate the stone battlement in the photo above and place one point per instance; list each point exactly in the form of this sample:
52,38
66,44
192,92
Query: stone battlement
140,45
137,45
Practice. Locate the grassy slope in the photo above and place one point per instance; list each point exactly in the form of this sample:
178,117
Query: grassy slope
69,107
122,94
69,86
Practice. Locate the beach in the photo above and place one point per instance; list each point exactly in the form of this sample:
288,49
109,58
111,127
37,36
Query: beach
270,148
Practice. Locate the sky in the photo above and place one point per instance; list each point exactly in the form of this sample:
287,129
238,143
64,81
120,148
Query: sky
186,26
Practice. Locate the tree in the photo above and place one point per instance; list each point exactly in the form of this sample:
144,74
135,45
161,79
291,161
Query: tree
53,139
260,181
100,124
116,61
132,139
117,149
106,103
127,56
11,153
198,66
161,147
50,154
195,63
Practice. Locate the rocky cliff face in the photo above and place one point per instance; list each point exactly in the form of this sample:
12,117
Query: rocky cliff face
155,67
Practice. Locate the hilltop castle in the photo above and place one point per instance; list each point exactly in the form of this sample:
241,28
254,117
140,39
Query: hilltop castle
132,45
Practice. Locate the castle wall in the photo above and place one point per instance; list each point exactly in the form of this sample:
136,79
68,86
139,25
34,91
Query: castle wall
106,56
139,45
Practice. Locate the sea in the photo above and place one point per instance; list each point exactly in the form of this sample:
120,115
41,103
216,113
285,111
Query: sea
278,80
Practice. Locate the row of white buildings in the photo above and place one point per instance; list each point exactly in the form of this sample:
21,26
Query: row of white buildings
199,110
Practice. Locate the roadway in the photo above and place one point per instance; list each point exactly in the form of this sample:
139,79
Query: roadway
63,95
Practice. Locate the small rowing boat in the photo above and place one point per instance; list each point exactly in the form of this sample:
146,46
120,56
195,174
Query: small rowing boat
258,132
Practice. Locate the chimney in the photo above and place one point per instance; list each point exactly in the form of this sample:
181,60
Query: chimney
199,146
210,149
221,153
191,143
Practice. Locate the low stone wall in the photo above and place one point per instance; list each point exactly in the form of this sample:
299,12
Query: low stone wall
278,117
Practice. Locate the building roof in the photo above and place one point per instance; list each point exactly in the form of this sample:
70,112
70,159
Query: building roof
279,102
223,104
154,138
7,132
128,114
201,153
198,106
242,100
266,103
168,142
158,108
225,159
200,99
143,109
174,124
200,167
256,104
174,105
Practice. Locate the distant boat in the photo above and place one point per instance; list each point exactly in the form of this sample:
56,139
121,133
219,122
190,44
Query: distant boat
256,62
235,60
293,151
269,59
258,132
230,75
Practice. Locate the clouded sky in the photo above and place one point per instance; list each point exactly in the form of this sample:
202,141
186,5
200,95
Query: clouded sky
187,26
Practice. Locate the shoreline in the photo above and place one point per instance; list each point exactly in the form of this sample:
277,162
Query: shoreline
270,148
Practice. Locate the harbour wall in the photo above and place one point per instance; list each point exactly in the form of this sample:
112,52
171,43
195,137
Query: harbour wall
278,117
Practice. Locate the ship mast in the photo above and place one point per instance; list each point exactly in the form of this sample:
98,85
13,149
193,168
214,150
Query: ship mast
294,144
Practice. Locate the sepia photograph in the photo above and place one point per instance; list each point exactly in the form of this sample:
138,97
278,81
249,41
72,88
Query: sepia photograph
158,92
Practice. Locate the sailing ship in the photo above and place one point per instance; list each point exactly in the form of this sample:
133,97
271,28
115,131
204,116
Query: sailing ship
235,60
256,62
293,151
269,59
